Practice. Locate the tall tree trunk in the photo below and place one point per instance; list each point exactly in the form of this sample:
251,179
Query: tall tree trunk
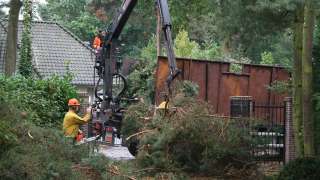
226,46
159,26
11,48
307,87
297,81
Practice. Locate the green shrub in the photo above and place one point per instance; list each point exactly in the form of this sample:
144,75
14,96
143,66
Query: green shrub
133,120
98,162
190,89
188,139
304,168
44,101
141,81
33,152
7,136
30,151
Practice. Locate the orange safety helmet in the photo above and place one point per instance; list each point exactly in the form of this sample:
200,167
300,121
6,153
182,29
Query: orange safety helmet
73,102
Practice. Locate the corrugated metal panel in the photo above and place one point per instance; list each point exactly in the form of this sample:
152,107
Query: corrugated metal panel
217,84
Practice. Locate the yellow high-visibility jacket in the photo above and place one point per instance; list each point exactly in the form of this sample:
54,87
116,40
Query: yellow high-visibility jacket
71,123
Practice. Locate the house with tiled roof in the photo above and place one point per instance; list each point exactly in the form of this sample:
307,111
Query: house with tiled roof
54,51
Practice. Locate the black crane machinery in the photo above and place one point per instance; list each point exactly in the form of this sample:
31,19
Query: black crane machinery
107,103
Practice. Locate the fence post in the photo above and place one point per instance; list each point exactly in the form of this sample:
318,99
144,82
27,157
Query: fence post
289,133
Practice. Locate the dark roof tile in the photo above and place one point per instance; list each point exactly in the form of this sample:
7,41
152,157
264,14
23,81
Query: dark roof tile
54,47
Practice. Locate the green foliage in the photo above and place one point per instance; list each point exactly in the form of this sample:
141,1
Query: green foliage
183,144
72,14
190,89
280,52
210,51
236,68
306,168
60,9
316,83
189,140
133,120
149,52
34,152
247,28
236,65
280,87
83,17
44,101
141,80
316,99
7,136
25,65
186,48
267,58
171,176
84,26
98,162
183,46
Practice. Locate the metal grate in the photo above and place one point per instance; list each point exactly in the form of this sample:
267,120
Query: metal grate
268,130
240,106
267,127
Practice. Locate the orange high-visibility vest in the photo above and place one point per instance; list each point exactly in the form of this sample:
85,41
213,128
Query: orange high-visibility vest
96,43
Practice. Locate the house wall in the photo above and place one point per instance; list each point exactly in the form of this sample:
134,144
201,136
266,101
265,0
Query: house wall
217,84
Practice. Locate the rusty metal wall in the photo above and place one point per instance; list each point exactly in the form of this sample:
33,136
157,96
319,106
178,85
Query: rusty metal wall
217,84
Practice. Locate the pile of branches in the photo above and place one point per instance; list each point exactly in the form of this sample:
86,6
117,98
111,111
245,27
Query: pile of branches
186,138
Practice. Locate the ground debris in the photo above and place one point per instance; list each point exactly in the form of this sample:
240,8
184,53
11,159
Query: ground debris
190,139
115,171
89,172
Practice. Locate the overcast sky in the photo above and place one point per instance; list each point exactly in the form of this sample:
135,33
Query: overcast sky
41,1
20,17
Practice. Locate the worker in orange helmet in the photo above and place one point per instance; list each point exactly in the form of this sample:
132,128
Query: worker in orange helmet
98,40
72,121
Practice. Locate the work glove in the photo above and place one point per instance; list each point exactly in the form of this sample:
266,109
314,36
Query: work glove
88,110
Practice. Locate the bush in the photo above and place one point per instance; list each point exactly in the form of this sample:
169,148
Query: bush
29,151
190,89
133,120
304,168
33,152
141,81
44,100
188,139
7,136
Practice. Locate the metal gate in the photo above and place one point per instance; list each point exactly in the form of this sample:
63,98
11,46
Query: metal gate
268,131
267,127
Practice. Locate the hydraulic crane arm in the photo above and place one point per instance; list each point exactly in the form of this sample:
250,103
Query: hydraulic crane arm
115,30
120,20
166,27
107,104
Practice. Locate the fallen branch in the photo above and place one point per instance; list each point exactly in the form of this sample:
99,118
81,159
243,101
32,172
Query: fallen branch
146,169
29,134
142,132
114,170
